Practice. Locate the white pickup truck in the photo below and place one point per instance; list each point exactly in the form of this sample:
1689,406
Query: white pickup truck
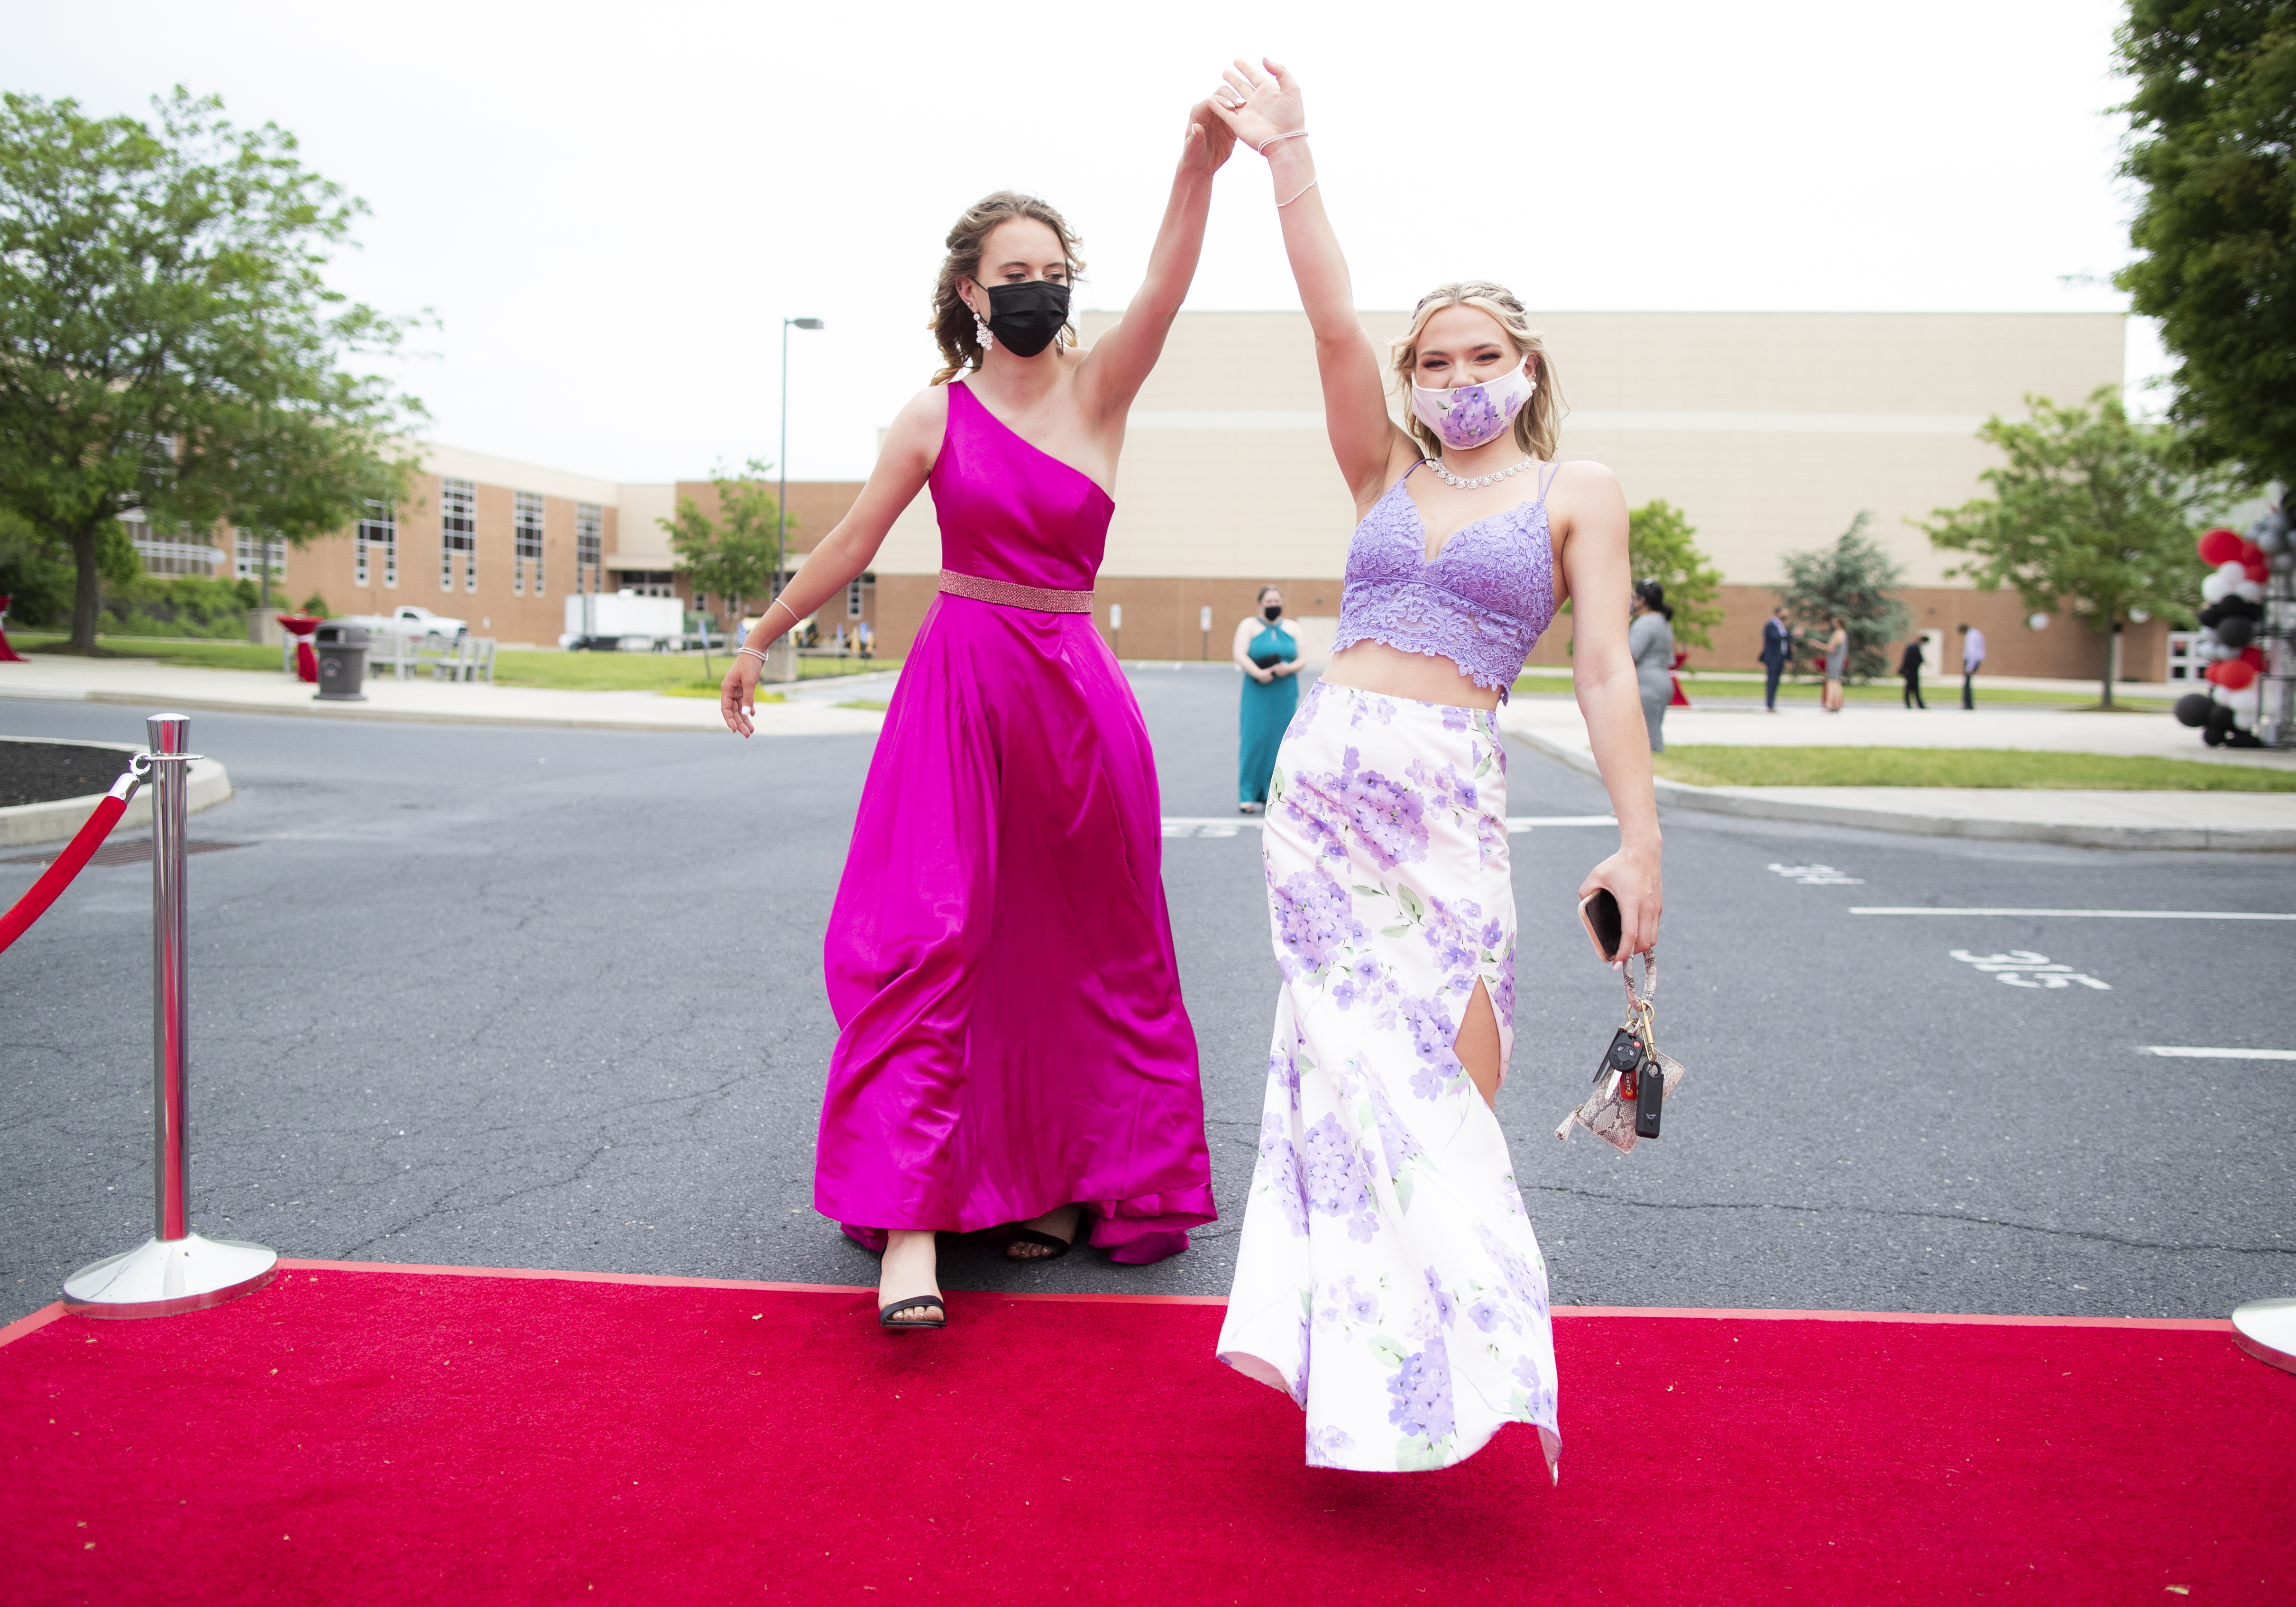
411,621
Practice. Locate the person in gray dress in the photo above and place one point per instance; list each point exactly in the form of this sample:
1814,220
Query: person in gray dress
1649,638
1837,664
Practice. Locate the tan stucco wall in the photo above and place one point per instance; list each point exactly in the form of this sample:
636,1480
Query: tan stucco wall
1771,429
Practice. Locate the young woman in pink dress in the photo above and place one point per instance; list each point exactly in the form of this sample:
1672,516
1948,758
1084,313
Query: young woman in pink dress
1386,1276
1012,1050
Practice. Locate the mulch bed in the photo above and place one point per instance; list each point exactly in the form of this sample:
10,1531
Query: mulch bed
42,771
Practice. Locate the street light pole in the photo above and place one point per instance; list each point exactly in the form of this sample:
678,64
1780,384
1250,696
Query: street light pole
781,498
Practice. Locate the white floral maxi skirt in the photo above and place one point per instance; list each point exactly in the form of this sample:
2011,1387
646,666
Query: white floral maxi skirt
1388,1279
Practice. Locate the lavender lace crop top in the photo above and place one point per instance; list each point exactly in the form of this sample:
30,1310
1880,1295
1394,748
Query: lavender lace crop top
1482,603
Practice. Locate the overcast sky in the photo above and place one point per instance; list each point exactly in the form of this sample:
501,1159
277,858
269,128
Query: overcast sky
609,210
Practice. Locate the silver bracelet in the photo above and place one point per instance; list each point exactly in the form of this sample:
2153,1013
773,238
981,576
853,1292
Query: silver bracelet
785,607
1297,133
1302,190
752,652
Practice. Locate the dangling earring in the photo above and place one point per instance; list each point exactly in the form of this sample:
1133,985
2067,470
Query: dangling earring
981,333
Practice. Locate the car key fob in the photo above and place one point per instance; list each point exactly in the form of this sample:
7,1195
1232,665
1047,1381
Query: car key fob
1624,1054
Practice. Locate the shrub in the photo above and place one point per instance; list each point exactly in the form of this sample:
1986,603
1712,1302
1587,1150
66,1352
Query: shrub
178,605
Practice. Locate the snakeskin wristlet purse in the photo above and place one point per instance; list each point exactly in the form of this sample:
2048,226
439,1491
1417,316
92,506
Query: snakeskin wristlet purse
1635,1079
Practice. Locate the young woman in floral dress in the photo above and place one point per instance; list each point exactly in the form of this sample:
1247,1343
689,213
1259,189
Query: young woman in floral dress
1387,1278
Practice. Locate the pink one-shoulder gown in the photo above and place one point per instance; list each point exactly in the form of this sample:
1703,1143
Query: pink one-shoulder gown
999,958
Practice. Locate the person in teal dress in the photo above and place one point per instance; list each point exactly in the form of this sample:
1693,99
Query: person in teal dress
1267,651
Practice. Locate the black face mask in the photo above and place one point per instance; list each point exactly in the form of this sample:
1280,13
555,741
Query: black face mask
1025,318
1273,610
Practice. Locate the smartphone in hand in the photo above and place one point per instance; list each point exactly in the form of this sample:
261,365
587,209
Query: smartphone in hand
1606,928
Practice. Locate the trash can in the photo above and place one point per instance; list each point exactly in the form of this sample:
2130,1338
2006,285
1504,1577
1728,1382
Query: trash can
342,664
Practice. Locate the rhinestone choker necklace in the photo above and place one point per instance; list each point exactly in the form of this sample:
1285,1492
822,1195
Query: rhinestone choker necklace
1453,480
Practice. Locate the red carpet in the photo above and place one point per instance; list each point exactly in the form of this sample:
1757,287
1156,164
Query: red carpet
356,1435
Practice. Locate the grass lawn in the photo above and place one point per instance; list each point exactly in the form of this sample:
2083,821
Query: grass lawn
680,675
166,650
1940,693
1717,766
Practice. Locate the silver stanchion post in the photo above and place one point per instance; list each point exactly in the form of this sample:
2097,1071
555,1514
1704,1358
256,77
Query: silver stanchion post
2267,1331
175,1269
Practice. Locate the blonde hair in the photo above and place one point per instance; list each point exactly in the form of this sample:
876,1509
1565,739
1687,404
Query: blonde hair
952,322
1539,426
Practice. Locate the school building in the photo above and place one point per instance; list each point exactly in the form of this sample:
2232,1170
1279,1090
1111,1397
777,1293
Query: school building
1772,431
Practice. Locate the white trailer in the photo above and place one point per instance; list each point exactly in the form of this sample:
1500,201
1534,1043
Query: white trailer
623,621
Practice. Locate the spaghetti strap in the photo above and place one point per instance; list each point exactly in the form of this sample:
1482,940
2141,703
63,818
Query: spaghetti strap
1546,480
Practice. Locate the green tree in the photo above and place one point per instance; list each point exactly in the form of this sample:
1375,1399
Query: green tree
168,340
2214,121
1853,580
738,553
1658,548
2088,506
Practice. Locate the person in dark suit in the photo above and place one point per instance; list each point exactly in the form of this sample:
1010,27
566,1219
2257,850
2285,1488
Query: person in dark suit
1910,666
1777,648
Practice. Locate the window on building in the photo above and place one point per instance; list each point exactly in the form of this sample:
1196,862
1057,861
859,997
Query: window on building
528,549
458,532
164,556
2186,661
250,557
378,538
589,541
853,599
647,583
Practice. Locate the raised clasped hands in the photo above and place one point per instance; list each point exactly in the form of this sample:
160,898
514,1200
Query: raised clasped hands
737,696
1259,106
1209,142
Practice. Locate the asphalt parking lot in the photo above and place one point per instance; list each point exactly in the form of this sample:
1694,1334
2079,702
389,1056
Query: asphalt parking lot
551,998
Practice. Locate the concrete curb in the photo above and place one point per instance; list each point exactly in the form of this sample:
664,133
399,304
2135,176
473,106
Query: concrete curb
1918,823
405,717
208,784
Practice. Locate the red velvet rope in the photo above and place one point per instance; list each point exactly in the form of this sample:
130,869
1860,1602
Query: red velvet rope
66,865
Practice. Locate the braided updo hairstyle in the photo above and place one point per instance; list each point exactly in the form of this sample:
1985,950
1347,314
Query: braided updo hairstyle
952,320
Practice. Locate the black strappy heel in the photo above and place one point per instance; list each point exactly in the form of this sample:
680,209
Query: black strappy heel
886,1314
1059,1247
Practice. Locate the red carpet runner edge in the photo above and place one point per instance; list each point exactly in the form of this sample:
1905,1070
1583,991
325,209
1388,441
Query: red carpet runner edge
360,1432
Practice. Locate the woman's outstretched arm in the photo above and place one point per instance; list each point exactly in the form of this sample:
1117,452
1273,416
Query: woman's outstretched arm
1594,511
902,464
1268,113
1119,361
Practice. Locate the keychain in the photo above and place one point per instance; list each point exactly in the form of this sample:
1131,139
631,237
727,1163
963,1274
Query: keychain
1635,1079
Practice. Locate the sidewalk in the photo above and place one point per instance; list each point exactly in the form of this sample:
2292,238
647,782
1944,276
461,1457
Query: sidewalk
811,710
2087,819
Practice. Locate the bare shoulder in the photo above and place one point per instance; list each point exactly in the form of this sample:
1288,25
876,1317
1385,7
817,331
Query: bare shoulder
1581,479
929,407
917,428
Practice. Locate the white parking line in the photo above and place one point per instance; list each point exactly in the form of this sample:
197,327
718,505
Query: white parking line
1227,825
2175,1051
2091,914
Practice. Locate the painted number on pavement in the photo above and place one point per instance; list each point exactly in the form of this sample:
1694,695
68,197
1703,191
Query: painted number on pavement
1817,875
2022,968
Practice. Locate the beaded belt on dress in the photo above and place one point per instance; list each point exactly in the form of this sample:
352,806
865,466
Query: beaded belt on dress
1004,594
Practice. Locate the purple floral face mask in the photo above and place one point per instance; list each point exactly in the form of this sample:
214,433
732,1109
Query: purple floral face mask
1467,416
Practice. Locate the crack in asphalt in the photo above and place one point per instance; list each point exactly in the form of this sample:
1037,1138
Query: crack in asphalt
1933,1216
